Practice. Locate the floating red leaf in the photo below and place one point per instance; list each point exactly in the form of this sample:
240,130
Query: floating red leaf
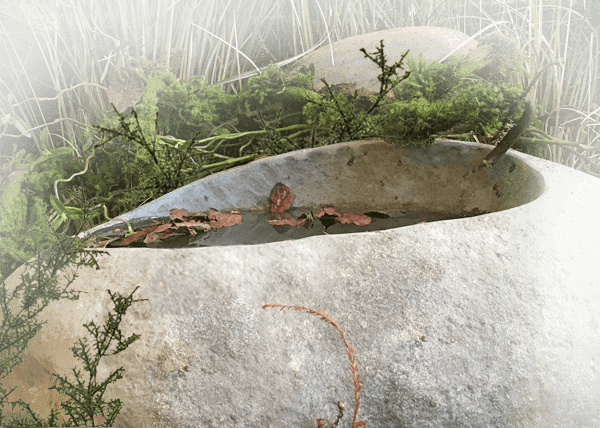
219,219
357,219
281,198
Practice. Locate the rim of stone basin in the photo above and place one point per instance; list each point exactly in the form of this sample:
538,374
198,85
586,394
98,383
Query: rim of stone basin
359,176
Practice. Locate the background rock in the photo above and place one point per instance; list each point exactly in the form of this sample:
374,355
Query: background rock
349,65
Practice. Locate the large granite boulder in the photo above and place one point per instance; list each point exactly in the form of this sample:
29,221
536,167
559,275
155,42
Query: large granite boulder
486,321
342,62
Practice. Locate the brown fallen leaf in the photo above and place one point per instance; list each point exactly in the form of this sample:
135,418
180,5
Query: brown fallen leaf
137,235
281,198
153,236
358,219
219,219
182,214
192,225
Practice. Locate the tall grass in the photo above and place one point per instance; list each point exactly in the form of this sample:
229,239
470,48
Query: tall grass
60,56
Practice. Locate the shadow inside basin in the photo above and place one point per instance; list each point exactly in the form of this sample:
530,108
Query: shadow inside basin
437,182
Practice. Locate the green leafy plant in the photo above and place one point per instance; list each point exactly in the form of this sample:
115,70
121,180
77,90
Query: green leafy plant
451,100
25,205
39,281
431,80
64,213
174,163
195,108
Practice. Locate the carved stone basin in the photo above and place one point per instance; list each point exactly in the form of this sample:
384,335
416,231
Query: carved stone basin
360,176
485,321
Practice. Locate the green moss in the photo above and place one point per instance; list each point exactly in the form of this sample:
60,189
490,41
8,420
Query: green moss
429,99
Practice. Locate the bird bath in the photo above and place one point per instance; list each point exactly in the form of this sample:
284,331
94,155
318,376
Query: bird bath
486,321
391,185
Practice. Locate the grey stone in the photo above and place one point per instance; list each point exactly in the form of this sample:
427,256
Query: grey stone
487,321
342,62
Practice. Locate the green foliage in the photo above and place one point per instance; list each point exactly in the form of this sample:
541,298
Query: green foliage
190,108
449,94
171,175
171,164
436,97
416,120
62,256
340,117
120,168
502,59
25,204
430,98
270,92
490,105
432,80
340,114
146,111
117,168
323,116
433,99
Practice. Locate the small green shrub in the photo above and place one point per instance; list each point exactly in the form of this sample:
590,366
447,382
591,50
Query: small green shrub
431,100
25,205
64,256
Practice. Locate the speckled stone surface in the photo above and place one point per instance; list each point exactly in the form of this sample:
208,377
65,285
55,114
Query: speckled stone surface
488,321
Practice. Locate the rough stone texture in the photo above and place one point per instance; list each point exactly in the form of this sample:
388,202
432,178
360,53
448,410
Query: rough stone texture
350,66
488,321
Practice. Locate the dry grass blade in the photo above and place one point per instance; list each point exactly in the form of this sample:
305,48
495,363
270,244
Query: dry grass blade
349,348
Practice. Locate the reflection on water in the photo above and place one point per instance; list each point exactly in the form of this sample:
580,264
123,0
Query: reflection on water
255,228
